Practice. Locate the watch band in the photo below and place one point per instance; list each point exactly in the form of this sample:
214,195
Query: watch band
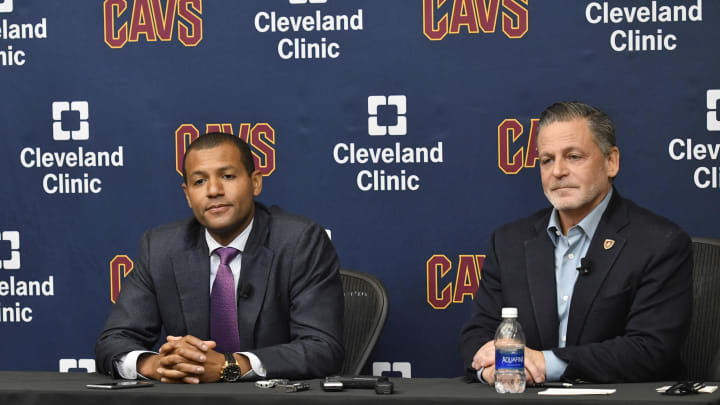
231,371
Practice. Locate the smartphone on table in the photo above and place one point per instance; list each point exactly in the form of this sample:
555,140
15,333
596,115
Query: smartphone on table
119,385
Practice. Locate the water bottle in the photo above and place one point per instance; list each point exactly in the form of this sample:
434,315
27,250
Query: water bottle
509,354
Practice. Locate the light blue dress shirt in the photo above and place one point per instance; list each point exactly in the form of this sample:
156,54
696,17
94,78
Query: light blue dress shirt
569,250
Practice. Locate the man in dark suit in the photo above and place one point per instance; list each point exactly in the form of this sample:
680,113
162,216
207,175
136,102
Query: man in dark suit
241,290
603,287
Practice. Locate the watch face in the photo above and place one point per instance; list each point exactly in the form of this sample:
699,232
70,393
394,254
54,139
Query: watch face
231,373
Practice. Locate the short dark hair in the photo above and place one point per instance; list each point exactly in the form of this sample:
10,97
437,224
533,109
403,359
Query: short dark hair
213,139
600,123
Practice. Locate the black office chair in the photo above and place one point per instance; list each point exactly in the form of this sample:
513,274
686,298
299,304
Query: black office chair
701,351
366,308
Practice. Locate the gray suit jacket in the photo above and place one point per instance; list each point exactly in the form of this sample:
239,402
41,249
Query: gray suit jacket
628,316
292,317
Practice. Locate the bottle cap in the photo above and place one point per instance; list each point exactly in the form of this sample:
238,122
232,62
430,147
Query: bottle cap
509,312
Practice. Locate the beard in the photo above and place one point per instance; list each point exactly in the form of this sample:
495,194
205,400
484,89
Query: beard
574,199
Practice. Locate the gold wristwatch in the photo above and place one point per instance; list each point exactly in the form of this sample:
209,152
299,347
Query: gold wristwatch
231,371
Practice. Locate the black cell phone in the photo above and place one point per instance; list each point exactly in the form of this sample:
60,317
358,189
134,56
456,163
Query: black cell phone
120,385
358,381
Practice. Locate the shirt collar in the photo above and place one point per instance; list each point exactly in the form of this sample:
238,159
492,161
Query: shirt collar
588,225
238,243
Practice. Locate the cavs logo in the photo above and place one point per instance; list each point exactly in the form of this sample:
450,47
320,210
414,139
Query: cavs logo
442,17
152,21
120,267
467,279
260,137
517,147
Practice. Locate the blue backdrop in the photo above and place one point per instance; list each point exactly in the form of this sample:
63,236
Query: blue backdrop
99,99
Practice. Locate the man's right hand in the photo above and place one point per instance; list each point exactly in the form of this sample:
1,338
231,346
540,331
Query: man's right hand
485,357
147,365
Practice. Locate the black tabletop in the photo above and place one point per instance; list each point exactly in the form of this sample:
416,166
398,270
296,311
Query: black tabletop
69,388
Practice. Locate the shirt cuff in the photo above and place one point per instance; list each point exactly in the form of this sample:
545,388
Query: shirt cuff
258,370
126,365
479,375
554,367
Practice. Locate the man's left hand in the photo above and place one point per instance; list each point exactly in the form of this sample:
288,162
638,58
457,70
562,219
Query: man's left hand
198,361
196,351
534,366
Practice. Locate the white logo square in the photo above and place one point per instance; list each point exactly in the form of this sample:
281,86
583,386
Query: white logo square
14,262
81,134
6,6
713,124
65,365
400,103
402,367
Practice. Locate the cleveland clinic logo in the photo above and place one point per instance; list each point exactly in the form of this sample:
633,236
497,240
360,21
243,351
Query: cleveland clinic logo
713,124
387,167
69,171
399,103
13,263
308,32
6,6
12,51
62,112
706,174
14,287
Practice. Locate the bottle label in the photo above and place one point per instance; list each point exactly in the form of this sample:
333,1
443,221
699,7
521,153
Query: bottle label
510,359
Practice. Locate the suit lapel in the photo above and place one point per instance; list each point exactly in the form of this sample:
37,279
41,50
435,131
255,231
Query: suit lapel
540,267
602,258
192,275
255,270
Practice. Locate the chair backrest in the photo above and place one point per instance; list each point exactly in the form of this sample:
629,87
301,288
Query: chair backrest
366,308
703,342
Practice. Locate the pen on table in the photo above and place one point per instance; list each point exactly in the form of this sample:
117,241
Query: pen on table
554,384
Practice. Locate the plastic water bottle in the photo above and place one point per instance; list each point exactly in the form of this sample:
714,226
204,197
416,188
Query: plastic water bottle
509,354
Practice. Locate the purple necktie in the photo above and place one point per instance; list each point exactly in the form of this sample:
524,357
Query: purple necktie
223,308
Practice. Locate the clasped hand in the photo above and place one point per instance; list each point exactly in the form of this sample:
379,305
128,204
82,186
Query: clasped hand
185,359
534,364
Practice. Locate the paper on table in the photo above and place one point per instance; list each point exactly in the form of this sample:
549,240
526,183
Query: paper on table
577,391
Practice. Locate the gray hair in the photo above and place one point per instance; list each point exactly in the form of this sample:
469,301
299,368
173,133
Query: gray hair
600,124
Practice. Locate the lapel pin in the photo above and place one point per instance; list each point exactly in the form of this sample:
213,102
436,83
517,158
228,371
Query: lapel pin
608,244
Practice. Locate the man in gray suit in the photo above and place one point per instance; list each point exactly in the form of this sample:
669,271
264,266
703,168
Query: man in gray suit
242,291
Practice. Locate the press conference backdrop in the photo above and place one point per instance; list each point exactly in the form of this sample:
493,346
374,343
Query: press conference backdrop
406,128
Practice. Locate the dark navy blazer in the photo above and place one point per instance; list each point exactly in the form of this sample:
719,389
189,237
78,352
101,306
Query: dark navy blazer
628,316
